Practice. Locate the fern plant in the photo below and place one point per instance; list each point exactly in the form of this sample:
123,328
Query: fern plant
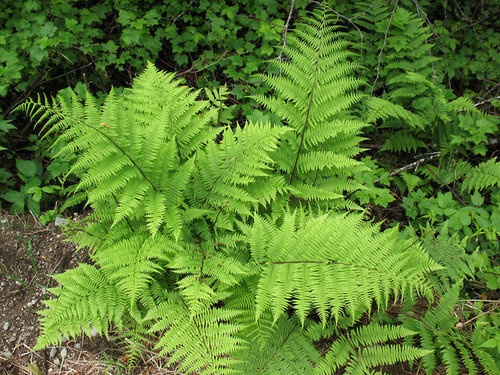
219,242
312,95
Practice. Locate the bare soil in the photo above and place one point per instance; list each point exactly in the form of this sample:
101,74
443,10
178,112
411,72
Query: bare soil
29,254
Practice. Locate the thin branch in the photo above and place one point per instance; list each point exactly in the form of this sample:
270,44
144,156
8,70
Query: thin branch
285,31
413,165
383,46
459,198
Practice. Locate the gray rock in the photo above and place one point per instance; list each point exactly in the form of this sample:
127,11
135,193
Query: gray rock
4,221
93,333
78,345
64,353
64,339
59,221
6,326
53,352
7,354
57,362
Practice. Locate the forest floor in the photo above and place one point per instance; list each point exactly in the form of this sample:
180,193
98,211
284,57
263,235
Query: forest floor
29,253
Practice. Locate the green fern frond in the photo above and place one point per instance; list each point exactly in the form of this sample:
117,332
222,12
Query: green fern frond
362,349
134,261
450,252
313,93
203,342
268,347
325,266
226,168
384,109
482,176
86,299
402,141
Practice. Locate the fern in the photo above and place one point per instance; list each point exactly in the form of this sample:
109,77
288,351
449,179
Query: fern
331,264
482,176
221,242
312,97
86,300
359,349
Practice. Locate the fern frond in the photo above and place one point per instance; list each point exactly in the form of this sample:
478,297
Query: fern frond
482,176
203,342
134,261
315,104
402,141
359,350
86,299
325,266
383,109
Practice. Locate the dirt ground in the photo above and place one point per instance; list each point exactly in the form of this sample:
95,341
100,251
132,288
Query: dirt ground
29,254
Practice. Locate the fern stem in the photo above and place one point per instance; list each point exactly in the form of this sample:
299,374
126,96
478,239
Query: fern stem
126,218
213,185
459,198
178,149
281,346
322,262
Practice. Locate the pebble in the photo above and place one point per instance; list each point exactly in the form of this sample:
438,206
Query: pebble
53,352
64,339
93,333
7,354
57,362
6,326
59,221
4,221
64,353
78,345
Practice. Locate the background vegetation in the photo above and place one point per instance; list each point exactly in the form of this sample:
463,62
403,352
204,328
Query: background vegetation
431,70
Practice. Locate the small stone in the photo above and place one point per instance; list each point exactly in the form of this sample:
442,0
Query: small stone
64,339
78,345
7,354
59,221
6,326
93,333
4,221
53,352
64,353
57,361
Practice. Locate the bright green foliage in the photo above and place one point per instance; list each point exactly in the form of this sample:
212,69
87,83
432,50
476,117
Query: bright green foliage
311,95
440,334
332,264
198,237
87,299
365,347
450,252
482,176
